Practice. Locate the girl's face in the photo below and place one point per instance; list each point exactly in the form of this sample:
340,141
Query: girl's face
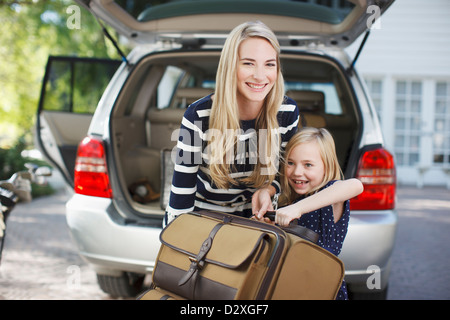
305,169
256,71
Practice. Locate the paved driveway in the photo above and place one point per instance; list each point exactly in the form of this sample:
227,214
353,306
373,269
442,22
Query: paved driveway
39,259
421,258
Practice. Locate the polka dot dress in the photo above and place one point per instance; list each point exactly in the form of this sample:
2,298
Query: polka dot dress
331,235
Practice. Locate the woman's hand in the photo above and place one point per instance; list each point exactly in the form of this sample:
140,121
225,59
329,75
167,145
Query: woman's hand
262,202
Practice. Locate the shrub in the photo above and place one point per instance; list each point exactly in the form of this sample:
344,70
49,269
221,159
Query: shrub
11,161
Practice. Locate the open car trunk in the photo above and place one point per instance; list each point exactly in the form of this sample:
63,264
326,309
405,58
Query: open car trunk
329,23
149,110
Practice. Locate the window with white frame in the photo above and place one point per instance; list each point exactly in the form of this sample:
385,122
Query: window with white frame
441,136
375,87
408,106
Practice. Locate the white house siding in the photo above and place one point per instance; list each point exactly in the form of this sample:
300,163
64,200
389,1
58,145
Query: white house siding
406,63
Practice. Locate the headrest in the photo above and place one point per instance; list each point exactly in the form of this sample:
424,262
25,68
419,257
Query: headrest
185,96
308,100
193,93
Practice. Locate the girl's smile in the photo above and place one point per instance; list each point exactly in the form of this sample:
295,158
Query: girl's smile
305,169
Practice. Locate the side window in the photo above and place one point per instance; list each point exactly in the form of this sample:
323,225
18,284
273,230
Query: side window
332,102
179,87
167,86
75,85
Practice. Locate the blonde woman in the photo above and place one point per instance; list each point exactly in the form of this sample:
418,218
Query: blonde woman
313,191
229,145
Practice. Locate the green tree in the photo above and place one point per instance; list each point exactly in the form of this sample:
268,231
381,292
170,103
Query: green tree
32,30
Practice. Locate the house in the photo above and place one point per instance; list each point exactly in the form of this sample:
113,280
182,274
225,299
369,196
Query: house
406,64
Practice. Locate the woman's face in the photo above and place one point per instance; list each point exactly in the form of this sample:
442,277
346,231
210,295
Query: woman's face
305,169
256,72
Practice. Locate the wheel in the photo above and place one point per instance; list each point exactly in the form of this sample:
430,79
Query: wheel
2,240
128,285
2,237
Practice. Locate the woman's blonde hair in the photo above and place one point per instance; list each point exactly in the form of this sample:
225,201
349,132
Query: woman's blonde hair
327,150
225,113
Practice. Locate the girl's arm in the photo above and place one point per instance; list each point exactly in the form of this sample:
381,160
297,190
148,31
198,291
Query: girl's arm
334,195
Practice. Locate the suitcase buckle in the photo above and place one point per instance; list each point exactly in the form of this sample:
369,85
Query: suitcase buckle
194,262
198,261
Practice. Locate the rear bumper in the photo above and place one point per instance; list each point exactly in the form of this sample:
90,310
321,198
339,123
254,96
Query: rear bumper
368,249
109,246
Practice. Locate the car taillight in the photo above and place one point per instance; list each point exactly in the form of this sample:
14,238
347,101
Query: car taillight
91,174
376,170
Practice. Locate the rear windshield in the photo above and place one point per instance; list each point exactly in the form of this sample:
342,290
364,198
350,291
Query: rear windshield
300,77
318,86
329,11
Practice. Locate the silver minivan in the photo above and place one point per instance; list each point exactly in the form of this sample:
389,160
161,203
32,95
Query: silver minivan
110,126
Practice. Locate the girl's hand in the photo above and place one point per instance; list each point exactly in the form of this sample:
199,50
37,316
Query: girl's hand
285,215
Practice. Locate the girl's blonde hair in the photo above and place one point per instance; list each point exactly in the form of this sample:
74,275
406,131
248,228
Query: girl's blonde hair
225,113
327,150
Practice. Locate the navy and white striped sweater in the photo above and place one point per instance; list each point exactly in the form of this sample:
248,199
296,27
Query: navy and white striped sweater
192,188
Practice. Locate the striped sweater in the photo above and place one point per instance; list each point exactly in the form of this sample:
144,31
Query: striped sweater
192,188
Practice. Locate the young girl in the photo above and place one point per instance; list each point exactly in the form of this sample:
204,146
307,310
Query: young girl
311,165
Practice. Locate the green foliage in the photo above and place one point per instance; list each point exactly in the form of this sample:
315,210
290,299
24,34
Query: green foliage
41,190
11,160
32,30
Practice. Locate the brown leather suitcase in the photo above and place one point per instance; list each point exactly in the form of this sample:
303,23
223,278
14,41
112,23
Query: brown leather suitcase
213,255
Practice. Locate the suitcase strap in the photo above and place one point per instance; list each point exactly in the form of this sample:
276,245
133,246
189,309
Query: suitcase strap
198,262
302,232
296,229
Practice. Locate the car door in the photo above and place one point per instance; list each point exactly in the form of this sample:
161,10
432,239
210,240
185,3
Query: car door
71,90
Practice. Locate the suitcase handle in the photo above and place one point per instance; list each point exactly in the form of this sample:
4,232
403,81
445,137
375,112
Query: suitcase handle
271,215
295,229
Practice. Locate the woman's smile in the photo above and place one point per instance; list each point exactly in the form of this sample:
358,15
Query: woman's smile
257,72
256,86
